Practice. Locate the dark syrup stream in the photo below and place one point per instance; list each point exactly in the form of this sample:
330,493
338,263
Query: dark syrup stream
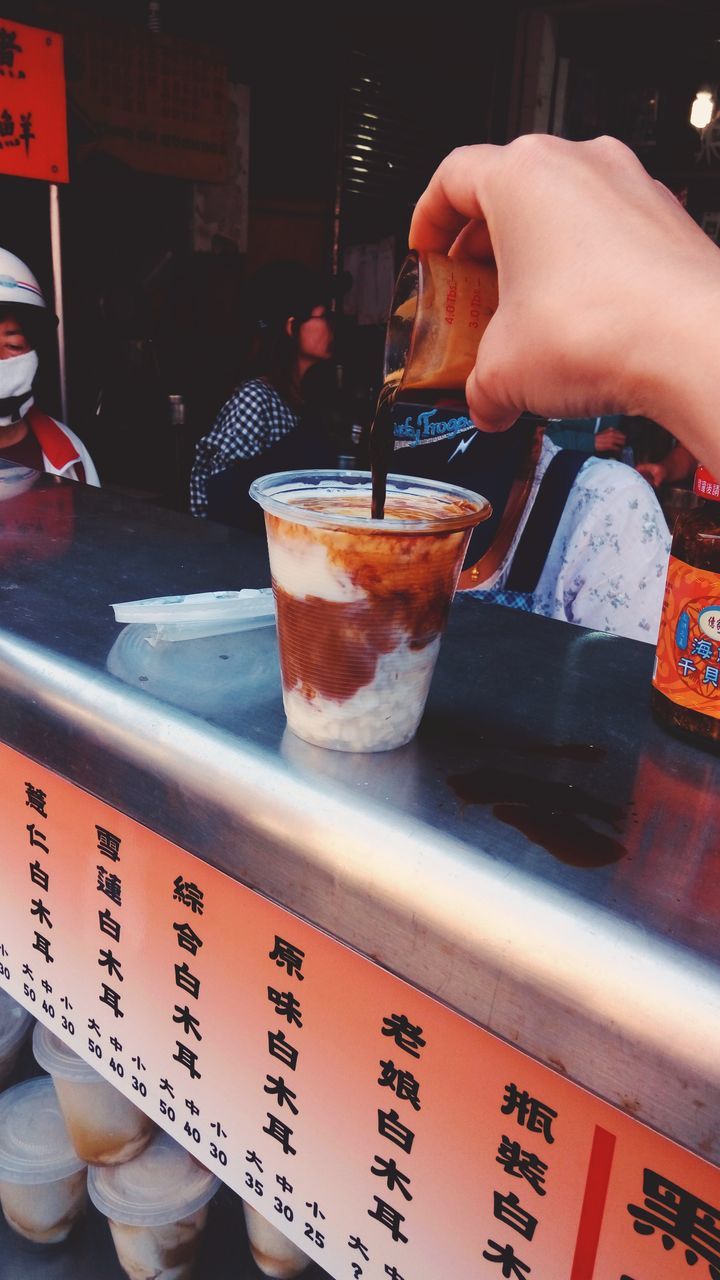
382,445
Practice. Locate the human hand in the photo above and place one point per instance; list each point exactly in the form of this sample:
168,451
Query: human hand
654,472
607,287
610,440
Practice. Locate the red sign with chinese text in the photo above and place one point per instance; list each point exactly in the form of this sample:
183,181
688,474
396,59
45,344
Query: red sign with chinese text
33,115
386,1135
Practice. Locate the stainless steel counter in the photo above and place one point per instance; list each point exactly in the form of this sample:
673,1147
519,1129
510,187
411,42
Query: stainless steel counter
542,859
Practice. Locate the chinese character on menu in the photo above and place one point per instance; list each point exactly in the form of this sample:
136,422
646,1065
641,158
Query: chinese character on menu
189,894
389,1217
404,1033
35,797
187,1058
285,1096
390,1126
39,876
42,945
509,1210
289,957
110,885
37,838
280,1048
679,1217
402,1083
187,980
108,844
109,925
522,1164
534,1115
512,1267
279,1130
187,938
111,998
189,1023
388,1170
286,1005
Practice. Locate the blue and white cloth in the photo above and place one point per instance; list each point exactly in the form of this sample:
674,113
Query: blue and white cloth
250,422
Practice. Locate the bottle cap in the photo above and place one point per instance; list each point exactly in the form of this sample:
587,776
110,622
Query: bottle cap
705,484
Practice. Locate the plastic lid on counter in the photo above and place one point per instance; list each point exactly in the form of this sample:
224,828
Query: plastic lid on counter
15,1022
34,1144
56,1057
163,1184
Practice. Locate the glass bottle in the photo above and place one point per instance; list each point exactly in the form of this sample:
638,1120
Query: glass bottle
686,675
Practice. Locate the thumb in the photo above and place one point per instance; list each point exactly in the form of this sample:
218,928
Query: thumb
489,388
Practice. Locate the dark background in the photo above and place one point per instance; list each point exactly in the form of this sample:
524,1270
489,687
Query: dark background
147,317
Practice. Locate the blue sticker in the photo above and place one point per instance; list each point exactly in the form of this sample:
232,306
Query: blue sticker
682,631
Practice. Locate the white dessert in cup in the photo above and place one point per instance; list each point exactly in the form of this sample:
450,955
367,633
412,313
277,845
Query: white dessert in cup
105,1127
362,605
43,1185
168,1250
157,1207
273,1253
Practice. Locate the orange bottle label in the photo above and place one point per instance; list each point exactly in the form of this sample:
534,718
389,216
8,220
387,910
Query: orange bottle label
687,661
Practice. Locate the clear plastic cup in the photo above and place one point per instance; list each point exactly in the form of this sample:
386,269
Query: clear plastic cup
105,1127
157,1206
43,1184
15,1024
273,1253
361,603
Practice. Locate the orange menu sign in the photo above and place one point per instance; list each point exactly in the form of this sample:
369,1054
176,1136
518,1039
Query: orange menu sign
385,1134
33,115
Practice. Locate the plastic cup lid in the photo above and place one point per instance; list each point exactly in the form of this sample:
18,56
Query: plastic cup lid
163,1184
34,1143
14,1023
55,1056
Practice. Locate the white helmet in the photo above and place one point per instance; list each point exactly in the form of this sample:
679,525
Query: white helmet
18,286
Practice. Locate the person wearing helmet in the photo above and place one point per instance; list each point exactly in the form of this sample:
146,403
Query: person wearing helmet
28,436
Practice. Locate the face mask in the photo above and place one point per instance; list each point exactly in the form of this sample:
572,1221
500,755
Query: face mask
16,378
17,374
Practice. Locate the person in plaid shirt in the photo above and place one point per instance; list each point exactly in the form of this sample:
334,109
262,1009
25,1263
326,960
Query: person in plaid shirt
256,430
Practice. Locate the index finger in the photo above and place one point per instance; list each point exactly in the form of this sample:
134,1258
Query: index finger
452,198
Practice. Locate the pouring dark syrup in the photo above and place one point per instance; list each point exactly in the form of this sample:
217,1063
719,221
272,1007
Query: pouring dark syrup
382,445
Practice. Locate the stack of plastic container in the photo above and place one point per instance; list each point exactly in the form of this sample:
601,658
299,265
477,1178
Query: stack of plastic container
71,1133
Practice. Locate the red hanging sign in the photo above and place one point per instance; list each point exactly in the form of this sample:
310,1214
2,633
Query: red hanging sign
33,114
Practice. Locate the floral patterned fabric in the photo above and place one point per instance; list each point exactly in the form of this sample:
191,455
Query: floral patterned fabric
608,561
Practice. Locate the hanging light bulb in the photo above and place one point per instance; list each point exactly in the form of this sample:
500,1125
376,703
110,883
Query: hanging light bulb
702,110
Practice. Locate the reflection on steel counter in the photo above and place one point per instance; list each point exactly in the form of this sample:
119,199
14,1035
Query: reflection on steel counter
34,524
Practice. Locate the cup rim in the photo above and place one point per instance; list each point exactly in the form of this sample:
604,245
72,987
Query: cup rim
28,1168
55,1056
120,1191
266,491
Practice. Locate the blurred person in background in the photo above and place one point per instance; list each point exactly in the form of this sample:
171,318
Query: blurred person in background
28,437
275,420
607,437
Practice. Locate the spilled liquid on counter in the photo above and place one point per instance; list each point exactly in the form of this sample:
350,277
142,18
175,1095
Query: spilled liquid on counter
574,825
